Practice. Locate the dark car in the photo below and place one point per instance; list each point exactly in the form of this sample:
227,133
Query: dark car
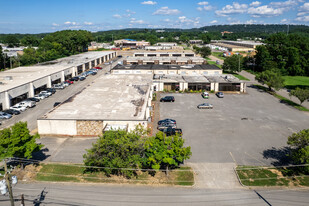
169,131
166,120
167,99
119,56
82,78
166,125
12,111
33,99
74,79
52,90
56,104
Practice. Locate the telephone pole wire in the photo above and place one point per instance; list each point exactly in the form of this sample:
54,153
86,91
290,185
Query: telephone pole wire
8,182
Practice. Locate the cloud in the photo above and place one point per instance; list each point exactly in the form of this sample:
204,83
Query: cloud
117,16
250,21
149,3
54,24
203,3
187,21
166,20
284,4
88,23
302,19
284,21
265,11
135,21
304,9
205,8
255,3
214,22
70,23
130,12
236,8
166,11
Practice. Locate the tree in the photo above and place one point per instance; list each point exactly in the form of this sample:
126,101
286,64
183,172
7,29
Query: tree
162,152
301,94
31,41
116,149
300,147
16,141
11,41
233,63
271,79
205,51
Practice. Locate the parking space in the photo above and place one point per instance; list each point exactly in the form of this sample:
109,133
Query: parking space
247,129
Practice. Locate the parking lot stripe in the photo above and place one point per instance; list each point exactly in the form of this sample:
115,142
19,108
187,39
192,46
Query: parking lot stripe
233,158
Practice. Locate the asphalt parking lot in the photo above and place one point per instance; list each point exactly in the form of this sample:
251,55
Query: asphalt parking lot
246,129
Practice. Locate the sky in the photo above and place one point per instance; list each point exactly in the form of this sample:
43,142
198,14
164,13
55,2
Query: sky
39,16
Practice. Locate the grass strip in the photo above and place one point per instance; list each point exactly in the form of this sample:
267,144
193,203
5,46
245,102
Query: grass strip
77,173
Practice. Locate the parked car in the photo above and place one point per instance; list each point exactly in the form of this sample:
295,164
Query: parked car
167,99
74,79
82,78
4,115
92,72
19,108
205,106
52,90
69,81
167,120
59,86
84,74
166,125
11,111
220,94
65,84
56,104
119,56
169,131
205,95
97,67
33,99
40,96
46,93
26,103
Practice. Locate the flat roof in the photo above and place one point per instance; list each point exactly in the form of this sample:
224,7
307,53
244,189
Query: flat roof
197,78
24,75
109,97
167,67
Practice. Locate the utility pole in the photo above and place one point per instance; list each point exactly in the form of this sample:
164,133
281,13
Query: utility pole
8,182
238,62
22,200
11,62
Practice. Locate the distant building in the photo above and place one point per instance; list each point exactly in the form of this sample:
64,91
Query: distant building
226,32
160,31
235,46
196,41
131,43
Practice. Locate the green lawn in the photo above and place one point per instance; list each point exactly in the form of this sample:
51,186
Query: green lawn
214,63
78,173
240,77
218,55
257,176
291,82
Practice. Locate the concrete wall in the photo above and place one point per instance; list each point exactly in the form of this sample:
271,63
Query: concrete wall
131,125
57,127
181,72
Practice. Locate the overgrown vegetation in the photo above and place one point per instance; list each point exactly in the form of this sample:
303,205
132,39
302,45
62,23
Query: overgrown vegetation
123,153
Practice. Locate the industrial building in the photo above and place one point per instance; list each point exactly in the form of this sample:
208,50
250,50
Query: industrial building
234,46
131,43
22,82
109,102
164,54
185,77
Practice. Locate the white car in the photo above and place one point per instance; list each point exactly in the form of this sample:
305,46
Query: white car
59,86
40,96
46,93
19,108
26,103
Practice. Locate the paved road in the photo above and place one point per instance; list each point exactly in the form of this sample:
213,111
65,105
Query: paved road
88,195
31,115
283,92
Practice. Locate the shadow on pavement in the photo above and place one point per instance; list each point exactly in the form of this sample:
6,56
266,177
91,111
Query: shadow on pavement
280,155
40,155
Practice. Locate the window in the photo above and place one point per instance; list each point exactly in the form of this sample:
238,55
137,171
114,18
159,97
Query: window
172,72
127,72
160,72
138,72
216,72
205,73
183,72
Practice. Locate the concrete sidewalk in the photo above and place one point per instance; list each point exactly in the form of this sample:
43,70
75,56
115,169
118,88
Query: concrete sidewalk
282,92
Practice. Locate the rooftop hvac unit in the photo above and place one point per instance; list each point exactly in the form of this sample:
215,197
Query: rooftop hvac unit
8,78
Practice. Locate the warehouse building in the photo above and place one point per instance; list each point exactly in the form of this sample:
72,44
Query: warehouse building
164,54
186,77
163,60
23,82
109,102
131,43
234,46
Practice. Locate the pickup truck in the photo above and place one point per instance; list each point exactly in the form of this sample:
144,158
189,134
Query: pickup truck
27,104
169,131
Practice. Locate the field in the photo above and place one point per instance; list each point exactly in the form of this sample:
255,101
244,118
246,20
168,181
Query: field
291,82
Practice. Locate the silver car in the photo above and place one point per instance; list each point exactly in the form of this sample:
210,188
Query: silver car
205,106
4,115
